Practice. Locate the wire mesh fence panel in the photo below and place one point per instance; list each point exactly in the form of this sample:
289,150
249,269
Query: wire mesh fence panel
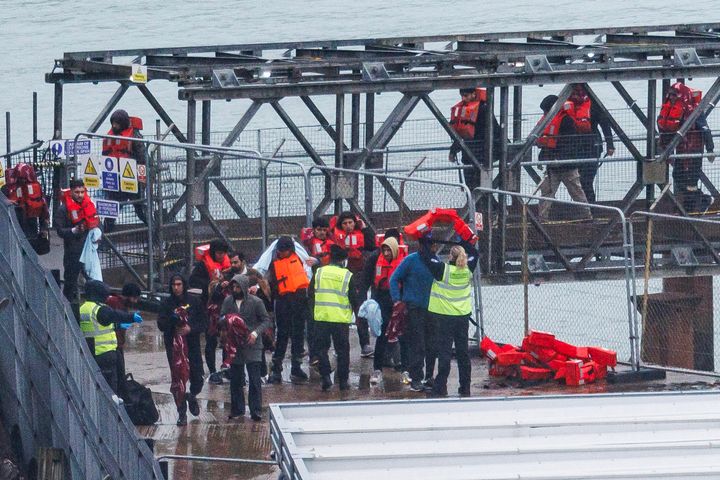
46,358
677,312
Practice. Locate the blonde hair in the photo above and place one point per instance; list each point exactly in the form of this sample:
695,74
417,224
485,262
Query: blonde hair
459,256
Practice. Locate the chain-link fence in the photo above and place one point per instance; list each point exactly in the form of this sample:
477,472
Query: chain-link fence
52,392
548,285
677,310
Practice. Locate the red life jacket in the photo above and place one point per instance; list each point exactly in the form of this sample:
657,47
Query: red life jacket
320,249
81,212
552,130
122,148
671,116
384,270
580,113
353,242
214,268
402,247
290,274
29,198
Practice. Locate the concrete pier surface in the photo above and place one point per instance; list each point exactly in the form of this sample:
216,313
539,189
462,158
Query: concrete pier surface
212,434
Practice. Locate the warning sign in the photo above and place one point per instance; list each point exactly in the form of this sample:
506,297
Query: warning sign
139,73
142,174
2,175
107,208
88,171
128,179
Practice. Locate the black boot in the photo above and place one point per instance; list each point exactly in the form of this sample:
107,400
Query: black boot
276,375
326,383
297,373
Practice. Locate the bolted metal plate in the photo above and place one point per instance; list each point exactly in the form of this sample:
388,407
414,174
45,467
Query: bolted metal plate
686,57
536,263
343,186
374,71
537,64
684,257
654,173
224,78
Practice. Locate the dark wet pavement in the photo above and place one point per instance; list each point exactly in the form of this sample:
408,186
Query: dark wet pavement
212,434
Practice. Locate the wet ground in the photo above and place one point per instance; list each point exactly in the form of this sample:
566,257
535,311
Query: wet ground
212,434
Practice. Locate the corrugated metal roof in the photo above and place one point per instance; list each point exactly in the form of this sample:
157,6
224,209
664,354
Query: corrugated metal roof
669,435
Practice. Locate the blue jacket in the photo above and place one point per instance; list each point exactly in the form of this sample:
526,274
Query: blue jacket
416,281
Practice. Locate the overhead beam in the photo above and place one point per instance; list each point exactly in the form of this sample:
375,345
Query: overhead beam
162,113
105,112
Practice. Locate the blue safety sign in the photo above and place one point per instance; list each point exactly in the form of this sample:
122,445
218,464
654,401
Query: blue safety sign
57,148
110,181
109,164
81,147
107,208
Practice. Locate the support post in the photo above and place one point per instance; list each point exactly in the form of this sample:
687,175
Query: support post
369,133
58,111
190,185
154,173
205,115
650,139
502,199
35,120
8,144
487,168
339,135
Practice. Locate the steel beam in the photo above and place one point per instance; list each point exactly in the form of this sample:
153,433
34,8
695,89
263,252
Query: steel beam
314,156
650,139
502,199
339,140
190,187
241,124
105,112
369,133
161,112
324,124
630,102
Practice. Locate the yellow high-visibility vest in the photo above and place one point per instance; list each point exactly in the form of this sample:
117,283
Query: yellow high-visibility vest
452,294
332,303
104,336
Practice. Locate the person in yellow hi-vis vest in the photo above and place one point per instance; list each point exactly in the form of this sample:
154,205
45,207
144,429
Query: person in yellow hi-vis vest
450,307
98,323
334,292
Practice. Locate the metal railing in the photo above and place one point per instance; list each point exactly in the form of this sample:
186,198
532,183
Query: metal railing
51,387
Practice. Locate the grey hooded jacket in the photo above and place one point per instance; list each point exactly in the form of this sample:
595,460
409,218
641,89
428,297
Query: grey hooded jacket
252,310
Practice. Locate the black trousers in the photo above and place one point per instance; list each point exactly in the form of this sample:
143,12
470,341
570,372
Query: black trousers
72,268
237,391
363,330
415,339
339,333
381,343
291,313
430,326
452,330
122,390
108,367
211,342
588,172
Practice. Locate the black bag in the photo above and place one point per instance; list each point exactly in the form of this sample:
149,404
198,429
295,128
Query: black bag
139,403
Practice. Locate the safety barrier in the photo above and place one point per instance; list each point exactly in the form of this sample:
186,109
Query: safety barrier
51,390
677,311
597,311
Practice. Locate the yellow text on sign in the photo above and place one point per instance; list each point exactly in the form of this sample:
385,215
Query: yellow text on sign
128,177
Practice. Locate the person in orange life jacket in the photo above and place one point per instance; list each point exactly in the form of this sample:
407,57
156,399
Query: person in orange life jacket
470,124
97,292
588,117
319,245
31,208
126,301
73,219
121,126
331,324
376,277
353,236
686,171
213,265
452,329
248,356
168,322
557,143
288,284
411,283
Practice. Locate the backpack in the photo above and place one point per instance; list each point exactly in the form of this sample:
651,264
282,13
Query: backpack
139,403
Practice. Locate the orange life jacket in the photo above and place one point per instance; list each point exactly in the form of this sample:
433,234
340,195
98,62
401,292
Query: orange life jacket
29,198
320,249
671,116
384,270
403,249
81,212
552,130
463,116
580,113
121,148
290,274
214,268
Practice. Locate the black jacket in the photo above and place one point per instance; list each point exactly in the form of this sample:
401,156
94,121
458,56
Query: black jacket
567,146
72,242
167,320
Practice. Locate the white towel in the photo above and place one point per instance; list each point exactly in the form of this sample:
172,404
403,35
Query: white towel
89,257
263,263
